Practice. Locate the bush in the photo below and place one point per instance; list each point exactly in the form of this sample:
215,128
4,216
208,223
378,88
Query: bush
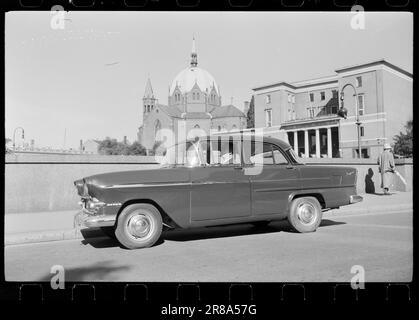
403,142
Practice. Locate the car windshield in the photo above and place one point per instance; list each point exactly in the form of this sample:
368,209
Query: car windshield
291,153
183,154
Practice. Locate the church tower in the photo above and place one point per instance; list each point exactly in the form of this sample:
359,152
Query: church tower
149,101
194,55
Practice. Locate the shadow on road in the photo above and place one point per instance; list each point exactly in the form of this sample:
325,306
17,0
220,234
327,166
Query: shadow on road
206,233
97,271
327,223
222,232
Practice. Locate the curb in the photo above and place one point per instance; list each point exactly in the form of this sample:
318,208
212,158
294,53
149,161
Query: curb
48,236
72,234
403,207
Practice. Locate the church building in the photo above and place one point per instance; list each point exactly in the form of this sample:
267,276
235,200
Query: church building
194,102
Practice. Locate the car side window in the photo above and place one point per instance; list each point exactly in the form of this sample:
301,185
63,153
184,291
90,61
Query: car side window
225,152
258,153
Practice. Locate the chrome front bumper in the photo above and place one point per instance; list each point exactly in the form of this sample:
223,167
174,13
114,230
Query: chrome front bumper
83,219
355,199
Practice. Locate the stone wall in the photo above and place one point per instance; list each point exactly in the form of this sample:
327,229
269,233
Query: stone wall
44,182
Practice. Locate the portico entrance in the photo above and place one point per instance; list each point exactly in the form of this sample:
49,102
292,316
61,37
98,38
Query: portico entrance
314,142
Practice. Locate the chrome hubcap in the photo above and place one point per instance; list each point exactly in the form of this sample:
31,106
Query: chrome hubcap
139,226
306,213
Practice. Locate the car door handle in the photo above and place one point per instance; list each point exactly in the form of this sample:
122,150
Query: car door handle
238,168
290,167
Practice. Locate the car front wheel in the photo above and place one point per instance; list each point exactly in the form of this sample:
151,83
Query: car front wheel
305,214
139,226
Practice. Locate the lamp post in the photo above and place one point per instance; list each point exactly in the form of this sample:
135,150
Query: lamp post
343,113
14,134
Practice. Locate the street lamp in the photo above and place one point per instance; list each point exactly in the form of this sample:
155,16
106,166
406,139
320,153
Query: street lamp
343,112
14,133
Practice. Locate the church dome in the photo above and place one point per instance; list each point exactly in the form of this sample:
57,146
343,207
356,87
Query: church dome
187,78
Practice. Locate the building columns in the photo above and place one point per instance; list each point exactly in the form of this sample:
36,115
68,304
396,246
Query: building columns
317,143
329,142
306,151
296,142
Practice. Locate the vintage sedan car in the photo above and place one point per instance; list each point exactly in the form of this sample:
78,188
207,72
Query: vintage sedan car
211,181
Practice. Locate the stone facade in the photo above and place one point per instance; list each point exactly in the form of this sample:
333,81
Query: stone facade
307,111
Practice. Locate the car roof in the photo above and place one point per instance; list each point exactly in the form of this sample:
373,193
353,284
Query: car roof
225,137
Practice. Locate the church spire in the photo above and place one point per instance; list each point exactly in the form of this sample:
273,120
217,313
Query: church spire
148,93
194,55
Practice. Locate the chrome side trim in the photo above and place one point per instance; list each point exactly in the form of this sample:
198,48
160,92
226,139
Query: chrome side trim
355,199
137,185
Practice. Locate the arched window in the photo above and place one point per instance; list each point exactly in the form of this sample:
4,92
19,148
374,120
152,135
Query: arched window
219,128
197,96
157,127
197,126
193,95
234,126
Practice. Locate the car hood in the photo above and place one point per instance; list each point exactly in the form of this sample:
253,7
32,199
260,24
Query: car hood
161,175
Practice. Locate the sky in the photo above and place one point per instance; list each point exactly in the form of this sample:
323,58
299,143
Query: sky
87,79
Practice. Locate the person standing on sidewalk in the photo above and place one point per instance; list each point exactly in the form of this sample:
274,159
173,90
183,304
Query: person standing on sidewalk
386,167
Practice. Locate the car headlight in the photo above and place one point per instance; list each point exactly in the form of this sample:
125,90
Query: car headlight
92,205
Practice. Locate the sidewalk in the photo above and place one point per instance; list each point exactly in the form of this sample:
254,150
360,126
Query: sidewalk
52,226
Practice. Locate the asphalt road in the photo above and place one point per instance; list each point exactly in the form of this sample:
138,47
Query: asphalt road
382,243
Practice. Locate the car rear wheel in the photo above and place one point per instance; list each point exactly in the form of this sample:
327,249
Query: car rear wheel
139,226
305,214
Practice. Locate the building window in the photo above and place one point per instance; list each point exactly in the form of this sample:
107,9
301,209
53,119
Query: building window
310,112
289,98
311,97
219,128
334,93
268,98
358,82
365,153
197,96
361,104
196,126
293,99
322,95
268,118
157,127
234,126
361,131
193,95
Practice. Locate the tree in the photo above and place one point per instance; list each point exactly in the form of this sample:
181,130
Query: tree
136,148
251,114
403,142
7,140
113,147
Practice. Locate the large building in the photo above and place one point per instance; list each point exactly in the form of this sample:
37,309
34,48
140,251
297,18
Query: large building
194,102
307,110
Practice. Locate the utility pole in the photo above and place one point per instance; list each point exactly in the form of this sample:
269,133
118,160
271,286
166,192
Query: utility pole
343,112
